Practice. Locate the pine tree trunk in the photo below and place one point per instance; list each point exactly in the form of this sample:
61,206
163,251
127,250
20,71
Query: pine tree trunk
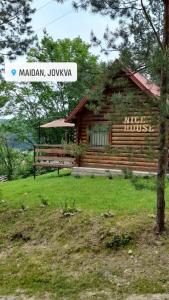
163,132
162,162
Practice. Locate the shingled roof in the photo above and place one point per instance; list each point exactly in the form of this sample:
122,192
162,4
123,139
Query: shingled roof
144,84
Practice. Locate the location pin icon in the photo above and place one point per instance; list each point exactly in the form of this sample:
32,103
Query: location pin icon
13,72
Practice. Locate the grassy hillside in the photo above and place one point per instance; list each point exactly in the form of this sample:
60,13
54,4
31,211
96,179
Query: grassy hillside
51,251
96,194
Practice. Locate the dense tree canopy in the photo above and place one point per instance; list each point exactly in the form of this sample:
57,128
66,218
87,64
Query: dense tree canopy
67,94
40,102
136,32
16,34
15,29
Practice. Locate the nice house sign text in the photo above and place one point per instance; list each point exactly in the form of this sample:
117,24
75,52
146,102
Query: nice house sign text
137,124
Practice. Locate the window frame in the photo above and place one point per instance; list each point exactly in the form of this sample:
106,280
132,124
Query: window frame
105,128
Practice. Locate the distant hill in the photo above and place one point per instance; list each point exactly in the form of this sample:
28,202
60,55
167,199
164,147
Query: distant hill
13,140
3,120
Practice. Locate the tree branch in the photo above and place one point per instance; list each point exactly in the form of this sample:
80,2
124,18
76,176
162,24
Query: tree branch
148,18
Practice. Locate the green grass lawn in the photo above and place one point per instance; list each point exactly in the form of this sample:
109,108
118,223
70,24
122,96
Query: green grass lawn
48,255
96,194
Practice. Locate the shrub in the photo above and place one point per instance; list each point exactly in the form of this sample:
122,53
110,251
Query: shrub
75,150
118,241
141,183
24,164
127,173
138,184
68,210
44,201
16,164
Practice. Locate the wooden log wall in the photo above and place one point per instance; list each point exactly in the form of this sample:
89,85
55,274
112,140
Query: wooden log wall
130,149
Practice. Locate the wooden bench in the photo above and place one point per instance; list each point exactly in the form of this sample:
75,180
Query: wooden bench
51,156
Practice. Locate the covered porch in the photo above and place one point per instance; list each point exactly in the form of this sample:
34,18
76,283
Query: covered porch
53,156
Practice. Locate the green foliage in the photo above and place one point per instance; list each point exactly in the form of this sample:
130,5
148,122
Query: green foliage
68,209
136,40
25,160
5,91
137,183
16,36
110,150
75,149
15,29
36,103
121,100
127,173
118,241
5,158
141,184
43,200
18,131
74,50
23,206
136,33
14,163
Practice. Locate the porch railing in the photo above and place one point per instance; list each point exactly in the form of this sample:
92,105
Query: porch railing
51,156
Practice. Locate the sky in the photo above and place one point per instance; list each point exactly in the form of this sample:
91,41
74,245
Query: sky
62,21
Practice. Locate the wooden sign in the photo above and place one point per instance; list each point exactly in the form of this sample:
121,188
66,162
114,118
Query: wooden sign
137,124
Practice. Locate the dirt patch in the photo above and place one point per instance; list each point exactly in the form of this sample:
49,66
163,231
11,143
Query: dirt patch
149,297
16,298
99,295
19,298
22,296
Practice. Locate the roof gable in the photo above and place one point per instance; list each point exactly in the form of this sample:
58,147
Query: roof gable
145,85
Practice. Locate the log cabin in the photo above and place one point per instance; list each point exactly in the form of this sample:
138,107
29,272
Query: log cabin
117,139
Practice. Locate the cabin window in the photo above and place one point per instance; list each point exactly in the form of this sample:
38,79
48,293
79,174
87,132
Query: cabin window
99,136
